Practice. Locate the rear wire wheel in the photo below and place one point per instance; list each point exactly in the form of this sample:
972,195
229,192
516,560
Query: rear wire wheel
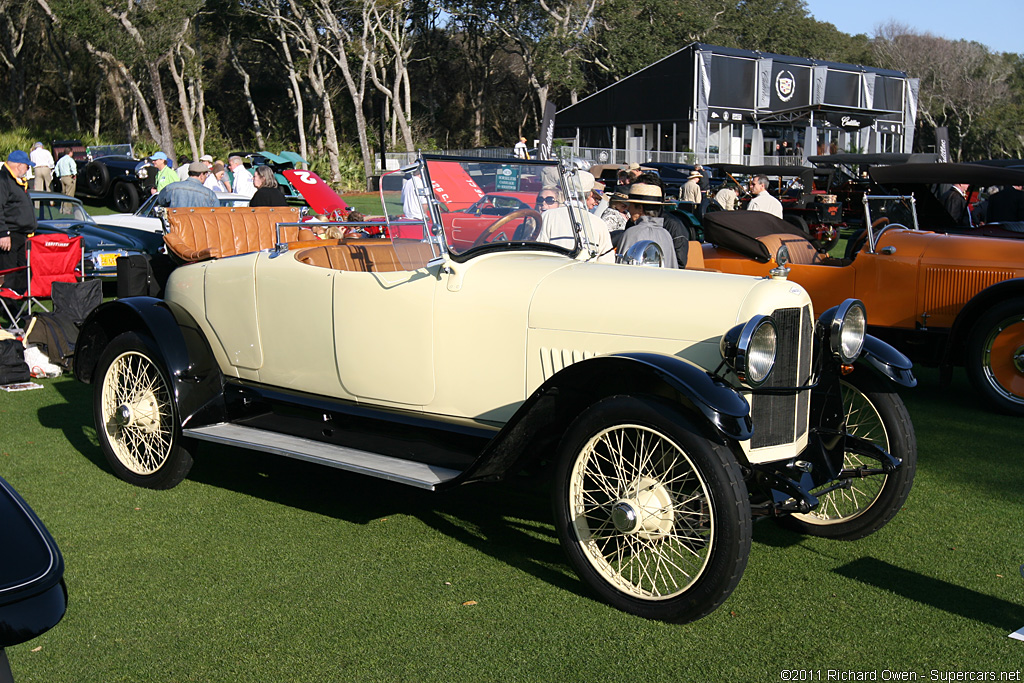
136,418
995,357
653,516
862,506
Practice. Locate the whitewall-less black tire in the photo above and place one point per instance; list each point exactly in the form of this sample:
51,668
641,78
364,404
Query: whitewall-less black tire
654,517
874,412
136,419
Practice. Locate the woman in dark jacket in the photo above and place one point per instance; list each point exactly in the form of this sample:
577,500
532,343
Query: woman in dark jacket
268,192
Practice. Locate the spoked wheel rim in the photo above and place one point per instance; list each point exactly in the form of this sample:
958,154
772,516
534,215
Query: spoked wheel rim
641,512
136,410
847,502
1003,359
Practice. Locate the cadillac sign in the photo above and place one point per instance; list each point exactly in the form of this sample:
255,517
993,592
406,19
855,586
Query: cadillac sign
850,122
785,85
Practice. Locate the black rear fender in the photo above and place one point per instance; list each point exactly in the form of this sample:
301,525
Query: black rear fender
175,340
533,432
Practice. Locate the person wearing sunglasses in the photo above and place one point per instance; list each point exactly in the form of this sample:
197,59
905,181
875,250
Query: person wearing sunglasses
548,198
557,227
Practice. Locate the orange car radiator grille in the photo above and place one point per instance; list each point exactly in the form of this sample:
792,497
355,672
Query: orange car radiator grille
782,419
946,289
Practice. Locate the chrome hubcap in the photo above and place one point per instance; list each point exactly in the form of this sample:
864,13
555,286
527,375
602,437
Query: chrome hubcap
624,515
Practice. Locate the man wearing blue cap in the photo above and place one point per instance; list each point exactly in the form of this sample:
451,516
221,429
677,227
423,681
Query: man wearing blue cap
165,174
17,219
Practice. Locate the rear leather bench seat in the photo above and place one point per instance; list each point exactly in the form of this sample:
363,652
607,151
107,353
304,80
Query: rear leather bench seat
367,255
197,234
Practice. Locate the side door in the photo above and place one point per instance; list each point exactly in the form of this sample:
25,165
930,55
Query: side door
383,335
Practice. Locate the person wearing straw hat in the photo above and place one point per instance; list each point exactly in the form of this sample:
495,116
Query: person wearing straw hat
691,190
645,203
672,223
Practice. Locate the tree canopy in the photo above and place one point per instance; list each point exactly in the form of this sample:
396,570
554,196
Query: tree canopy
337,79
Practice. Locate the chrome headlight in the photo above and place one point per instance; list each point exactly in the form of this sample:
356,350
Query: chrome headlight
846,324
643,253
750,349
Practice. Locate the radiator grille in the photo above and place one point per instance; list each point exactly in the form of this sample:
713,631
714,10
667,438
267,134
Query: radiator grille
783,419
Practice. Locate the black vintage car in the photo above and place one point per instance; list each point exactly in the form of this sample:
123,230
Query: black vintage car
110,173
33,596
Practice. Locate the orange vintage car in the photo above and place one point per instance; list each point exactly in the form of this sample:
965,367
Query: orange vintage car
945,300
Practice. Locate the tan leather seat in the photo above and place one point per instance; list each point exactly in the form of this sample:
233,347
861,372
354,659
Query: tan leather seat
801,251
367,256
197,234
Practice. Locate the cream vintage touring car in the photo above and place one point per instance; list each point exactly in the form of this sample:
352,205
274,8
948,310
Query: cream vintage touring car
668,409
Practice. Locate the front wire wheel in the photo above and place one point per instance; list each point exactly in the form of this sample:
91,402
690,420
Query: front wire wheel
136,419
654,517
858,507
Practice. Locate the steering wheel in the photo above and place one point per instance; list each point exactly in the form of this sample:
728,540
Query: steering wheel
886,227
493,227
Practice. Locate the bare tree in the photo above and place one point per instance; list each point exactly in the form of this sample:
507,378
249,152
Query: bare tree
390,49
247,92
960,80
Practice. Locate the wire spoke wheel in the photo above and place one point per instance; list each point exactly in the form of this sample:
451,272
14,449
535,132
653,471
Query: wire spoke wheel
848,501
859,506
652,516
136,419
640,511
137,413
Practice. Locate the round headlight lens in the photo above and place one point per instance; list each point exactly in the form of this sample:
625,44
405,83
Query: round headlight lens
848,329
749,349
761,354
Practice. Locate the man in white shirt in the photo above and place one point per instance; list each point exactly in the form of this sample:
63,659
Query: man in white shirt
412,201
242,179
763,200
520,150
43,160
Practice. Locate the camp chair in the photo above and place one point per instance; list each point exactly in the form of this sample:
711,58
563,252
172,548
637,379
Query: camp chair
50,258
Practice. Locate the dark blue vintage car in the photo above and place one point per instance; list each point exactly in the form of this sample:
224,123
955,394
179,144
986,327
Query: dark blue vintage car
33,597
103,244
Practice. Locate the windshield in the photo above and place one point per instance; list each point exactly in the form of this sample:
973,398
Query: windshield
483,204
97,151
890,210
60,210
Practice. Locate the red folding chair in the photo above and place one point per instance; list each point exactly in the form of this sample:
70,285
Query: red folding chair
50,258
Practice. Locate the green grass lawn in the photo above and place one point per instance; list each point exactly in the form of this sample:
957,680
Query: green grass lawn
265,569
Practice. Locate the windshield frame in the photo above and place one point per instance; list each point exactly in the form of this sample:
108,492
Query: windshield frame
437,208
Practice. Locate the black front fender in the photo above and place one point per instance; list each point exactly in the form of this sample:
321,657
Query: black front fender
540,421
887,361
176,341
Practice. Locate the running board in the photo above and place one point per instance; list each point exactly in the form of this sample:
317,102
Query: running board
401,471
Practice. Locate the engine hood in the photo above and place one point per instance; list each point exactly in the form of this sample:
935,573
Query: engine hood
655,303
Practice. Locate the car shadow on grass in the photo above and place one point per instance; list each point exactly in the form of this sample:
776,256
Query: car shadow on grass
74,417
948,597
508,521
